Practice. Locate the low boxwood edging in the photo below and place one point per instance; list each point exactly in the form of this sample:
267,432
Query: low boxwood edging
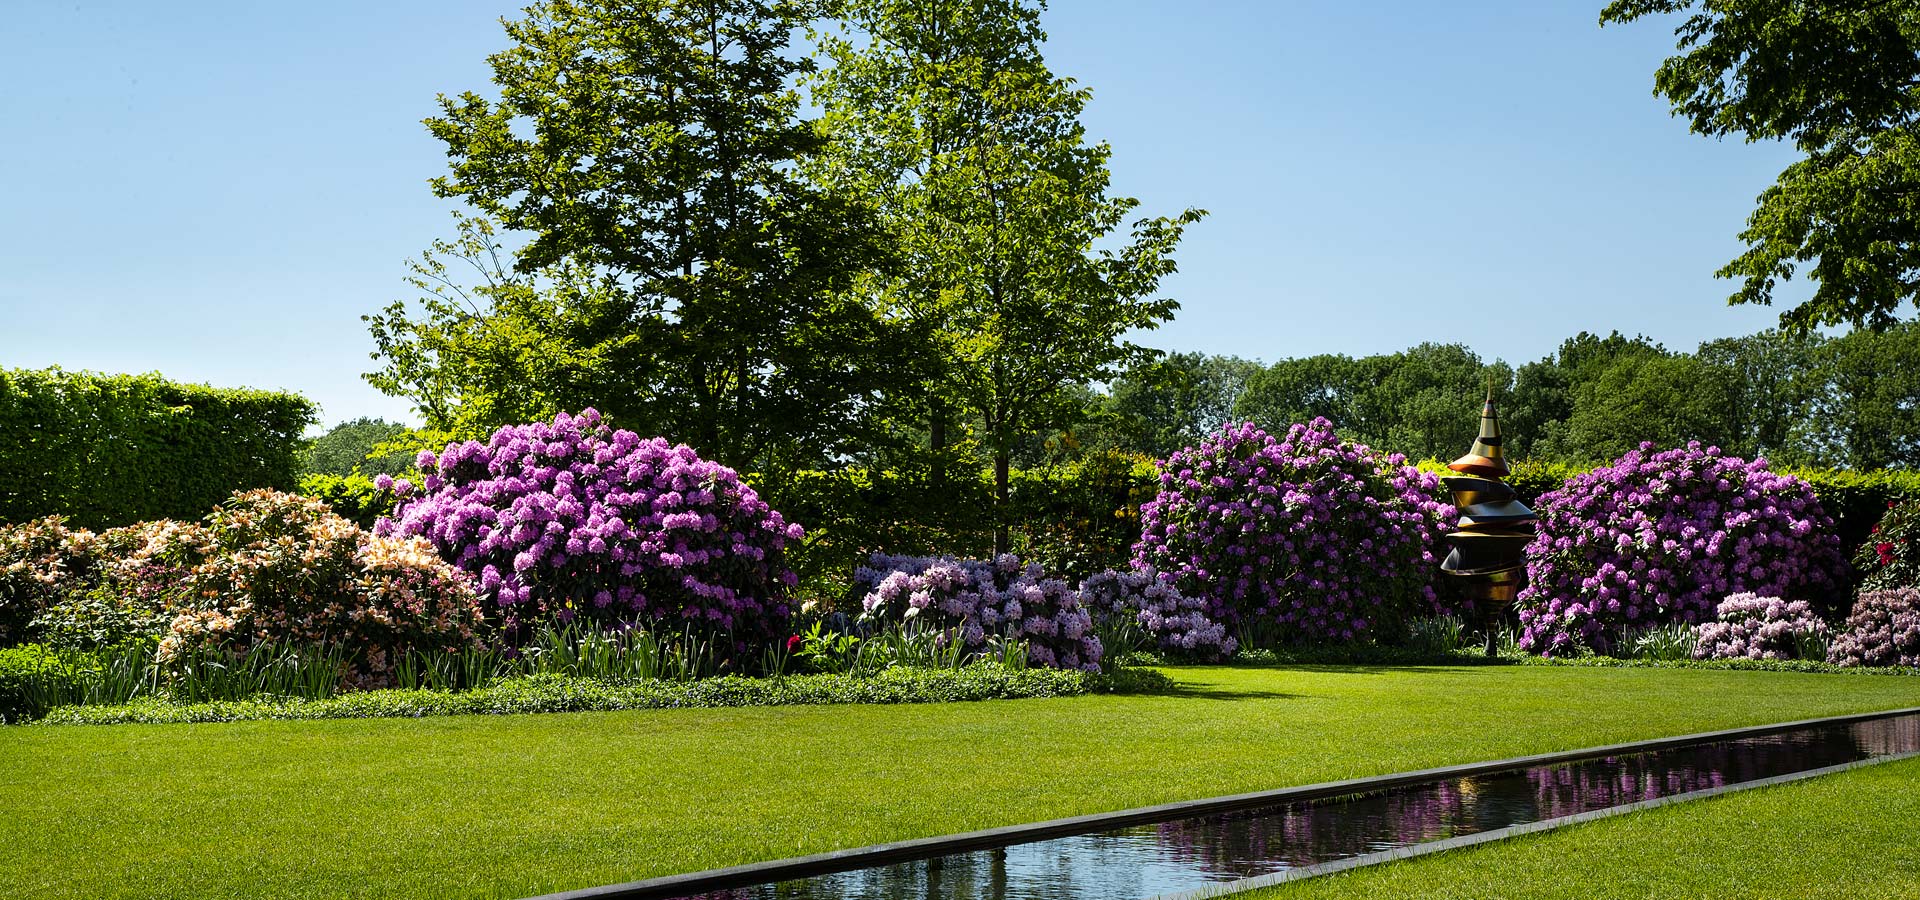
554,693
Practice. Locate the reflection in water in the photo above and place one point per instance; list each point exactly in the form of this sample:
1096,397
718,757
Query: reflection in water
1140,862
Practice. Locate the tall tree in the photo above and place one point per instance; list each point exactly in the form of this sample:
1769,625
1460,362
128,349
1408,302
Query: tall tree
1841,80
648,149
1867,406
1327,386
945,113
1176,401
1773,383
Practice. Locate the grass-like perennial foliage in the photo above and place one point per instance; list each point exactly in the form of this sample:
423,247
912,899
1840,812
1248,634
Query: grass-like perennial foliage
1326,539
975,601
572,518
1661,537
556,693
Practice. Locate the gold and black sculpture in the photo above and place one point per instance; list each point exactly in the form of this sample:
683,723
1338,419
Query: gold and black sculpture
1489,549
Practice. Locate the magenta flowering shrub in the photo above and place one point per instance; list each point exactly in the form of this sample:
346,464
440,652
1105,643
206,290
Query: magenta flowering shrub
975,600
1171,619
1749,626
1883,630
572,518
1327,539
1655,538
281,570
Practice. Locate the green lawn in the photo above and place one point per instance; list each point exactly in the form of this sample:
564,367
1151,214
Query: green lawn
508,806
1846,837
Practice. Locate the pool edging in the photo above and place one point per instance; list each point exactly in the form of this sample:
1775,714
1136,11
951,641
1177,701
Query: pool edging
690,883
1410,851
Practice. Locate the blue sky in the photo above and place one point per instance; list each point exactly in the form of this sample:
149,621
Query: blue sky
218,191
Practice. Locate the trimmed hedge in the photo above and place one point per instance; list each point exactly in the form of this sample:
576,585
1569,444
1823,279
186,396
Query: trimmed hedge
554,693
352,497
105,450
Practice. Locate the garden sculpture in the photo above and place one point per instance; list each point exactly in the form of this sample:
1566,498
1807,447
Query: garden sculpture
1489,549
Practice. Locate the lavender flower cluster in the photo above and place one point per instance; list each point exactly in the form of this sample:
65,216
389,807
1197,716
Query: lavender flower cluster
1883,630
1174,621
1328,539
1656,538
573,518
975,600
1750,626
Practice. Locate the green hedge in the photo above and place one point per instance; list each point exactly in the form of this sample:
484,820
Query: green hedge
554,693
106,450
353,497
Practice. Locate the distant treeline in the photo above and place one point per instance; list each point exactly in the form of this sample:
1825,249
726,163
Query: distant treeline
1845,402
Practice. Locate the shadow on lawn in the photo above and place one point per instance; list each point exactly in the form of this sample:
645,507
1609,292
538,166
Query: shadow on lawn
1189,691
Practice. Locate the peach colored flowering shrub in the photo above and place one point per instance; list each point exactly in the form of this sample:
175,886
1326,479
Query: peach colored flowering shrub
276,568
38,561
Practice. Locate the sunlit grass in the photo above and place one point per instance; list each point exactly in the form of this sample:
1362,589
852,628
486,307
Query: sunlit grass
508,806
1846,837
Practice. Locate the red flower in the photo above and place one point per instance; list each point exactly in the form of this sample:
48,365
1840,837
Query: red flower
794,642
1886,553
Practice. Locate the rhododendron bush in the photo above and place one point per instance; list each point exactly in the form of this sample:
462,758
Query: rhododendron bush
1174,621
278,569
1883,630
1327,539
974,601
1890,558
75,587
572,518
1657,538
1749,626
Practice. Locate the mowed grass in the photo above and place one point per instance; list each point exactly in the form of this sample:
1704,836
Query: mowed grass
511,806
1846,837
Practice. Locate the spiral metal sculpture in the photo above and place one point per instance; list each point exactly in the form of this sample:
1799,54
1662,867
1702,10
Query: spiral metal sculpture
1489,549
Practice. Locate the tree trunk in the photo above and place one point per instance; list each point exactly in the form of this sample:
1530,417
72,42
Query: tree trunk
1000,470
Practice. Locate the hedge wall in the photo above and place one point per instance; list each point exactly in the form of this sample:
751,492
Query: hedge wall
107,450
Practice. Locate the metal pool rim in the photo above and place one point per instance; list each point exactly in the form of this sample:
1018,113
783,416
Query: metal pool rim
673,886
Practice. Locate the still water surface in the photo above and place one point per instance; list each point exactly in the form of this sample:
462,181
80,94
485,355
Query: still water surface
1187,854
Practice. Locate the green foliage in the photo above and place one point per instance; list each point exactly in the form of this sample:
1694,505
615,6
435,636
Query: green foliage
678,274
973,152
353,496
354,446
1857,500
1161,406
1837,80
35,678
106,450
555,693
1889,558
1866,399
1420,402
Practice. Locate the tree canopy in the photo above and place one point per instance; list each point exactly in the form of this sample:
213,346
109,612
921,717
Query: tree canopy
1841,81
677,271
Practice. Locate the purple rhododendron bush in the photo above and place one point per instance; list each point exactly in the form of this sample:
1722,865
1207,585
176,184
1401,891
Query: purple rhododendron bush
1749,626
1173,621
572,518
1661,537
975,601
274,569
1327,539
1883,630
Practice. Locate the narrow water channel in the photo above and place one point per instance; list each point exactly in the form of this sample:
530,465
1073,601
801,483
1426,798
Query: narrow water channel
1192,853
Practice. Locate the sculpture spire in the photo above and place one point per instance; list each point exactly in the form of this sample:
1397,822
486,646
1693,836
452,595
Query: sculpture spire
1489,549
